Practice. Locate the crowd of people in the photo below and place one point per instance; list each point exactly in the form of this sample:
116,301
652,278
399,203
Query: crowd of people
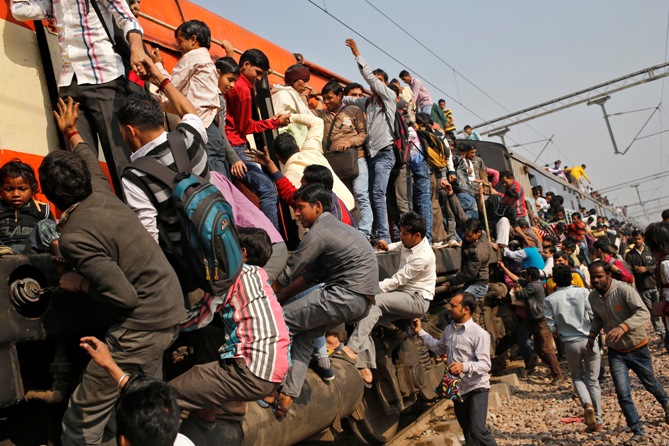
359,172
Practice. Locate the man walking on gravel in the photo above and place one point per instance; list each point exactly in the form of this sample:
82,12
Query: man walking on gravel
468,348
619,310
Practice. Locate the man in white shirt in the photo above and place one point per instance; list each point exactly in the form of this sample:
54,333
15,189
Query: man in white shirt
407,294
468,348
93,73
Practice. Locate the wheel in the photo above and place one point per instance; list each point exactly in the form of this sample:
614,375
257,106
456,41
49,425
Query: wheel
370,423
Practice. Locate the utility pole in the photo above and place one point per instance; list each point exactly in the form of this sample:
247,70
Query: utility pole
501,134
601,101
643,206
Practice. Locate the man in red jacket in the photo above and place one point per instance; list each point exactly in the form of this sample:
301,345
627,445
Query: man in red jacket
619,271
239,124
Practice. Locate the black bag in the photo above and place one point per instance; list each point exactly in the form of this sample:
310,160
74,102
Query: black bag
400,133
344,164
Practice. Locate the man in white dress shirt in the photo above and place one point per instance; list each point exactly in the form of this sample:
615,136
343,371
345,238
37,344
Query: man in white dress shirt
468,348
407,294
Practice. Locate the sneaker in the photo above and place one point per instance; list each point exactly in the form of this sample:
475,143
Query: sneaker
589,416
323,368
636,439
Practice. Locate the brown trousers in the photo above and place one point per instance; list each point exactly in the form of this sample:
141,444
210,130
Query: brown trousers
543,346
215,383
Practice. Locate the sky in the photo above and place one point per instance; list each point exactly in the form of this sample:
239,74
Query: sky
520,53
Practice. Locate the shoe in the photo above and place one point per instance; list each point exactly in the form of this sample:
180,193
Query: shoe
557,379
636,439
532,363
598,428
323,368
589,416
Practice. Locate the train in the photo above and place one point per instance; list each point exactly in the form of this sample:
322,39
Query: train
40,361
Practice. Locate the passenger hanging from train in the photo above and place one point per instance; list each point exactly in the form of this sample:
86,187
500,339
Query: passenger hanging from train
331,278
195,77
530,233
253,64
97,83
423,190
380,111
247,215
291,99
255,357
26,224
295,158
502,220
313,174
116,261
421,95
142,126
473,273
466,175
513,187
345,128
405,295
467,347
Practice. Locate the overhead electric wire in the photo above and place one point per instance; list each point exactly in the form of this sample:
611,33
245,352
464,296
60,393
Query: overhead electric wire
655,176
393,57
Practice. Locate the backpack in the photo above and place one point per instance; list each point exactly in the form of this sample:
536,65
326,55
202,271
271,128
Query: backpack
211,245
435,151
400,133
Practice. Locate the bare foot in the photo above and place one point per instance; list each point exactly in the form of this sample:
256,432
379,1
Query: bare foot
349,352
366,375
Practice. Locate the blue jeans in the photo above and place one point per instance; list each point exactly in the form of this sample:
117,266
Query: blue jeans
468,204
261,185
639,362
422,194
477,290
361,192
380,166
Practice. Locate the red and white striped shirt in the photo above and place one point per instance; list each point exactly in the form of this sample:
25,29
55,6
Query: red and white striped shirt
85,47
255,329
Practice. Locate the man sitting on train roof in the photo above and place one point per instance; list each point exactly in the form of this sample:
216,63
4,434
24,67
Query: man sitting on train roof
330,279
195,76
291,98
117,262
405,295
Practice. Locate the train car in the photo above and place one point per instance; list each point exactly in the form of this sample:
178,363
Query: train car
529,175
40,362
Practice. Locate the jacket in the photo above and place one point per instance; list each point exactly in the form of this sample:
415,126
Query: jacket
643,281
533,294
474,265
105,241
621,306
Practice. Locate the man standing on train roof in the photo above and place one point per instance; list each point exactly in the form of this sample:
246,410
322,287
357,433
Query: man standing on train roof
380,109
575,174
421,96
93,73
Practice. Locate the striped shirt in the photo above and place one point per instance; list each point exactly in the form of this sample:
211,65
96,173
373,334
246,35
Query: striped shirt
255,329
85,47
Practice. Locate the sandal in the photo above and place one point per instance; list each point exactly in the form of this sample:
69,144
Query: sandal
267,401
336,351
281,410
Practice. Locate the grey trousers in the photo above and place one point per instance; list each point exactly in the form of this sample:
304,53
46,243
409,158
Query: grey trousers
649,297
584,371
215,383
388,307
309,317
277,261
92,402
97,119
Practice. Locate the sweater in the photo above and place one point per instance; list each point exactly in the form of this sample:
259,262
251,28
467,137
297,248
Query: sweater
239,122
474,265
621,306
105,241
